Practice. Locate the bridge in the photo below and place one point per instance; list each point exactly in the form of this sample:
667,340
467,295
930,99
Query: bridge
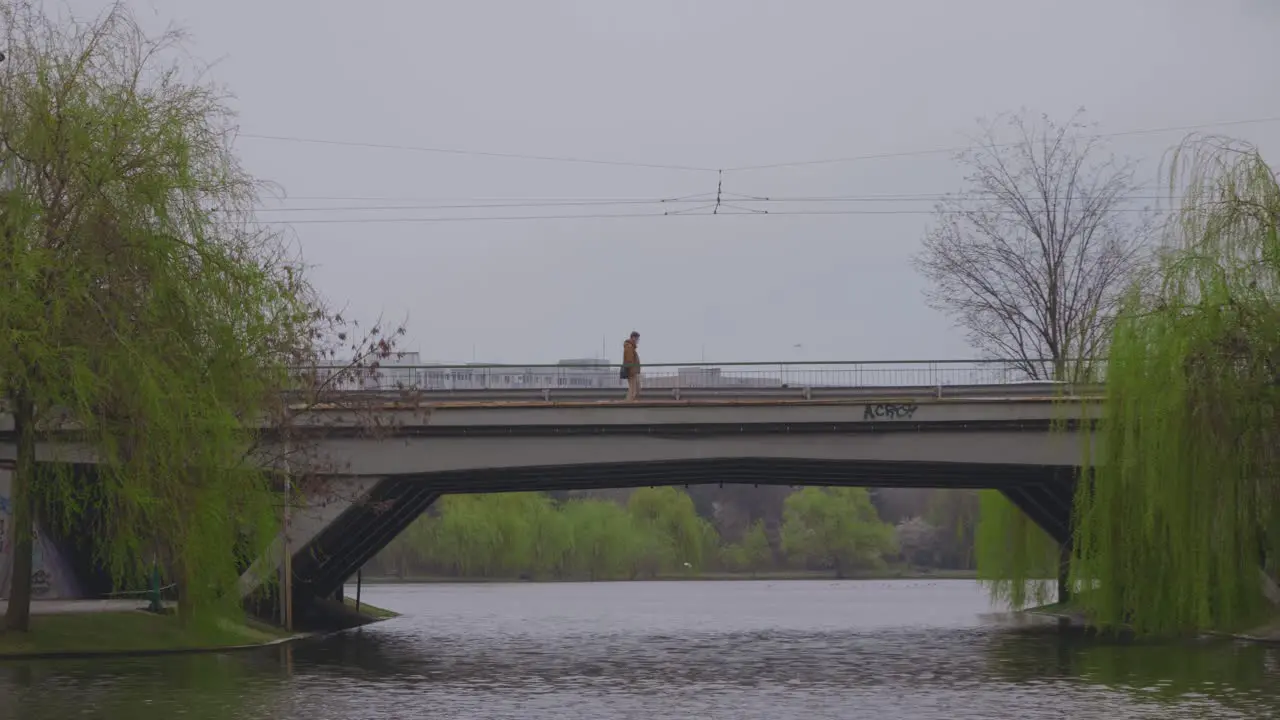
786,425
804,427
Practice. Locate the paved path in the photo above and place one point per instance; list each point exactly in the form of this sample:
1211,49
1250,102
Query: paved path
62,607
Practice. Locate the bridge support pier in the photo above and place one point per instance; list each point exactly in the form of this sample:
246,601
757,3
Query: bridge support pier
338,552
1049,505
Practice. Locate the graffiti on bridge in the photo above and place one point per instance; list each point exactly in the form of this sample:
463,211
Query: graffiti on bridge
890,411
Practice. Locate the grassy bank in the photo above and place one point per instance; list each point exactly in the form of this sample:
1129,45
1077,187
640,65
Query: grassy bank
1265,631
1069,612
890,574
371,611
128,632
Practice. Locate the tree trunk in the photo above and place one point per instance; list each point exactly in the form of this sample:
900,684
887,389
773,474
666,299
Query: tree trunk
1064,571
186,605
18,615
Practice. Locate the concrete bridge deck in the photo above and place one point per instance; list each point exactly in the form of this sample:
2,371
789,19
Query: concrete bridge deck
438,432
471,436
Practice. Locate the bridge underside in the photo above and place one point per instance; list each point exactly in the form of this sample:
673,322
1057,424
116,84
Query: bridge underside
1043,492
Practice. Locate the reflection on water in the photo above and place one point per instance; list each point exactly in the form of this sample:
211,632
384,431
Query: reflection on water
779,650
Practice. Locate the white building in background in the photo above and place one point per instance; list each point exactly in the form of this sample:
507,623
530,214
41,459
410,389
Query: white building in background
408,370
708,376
573,373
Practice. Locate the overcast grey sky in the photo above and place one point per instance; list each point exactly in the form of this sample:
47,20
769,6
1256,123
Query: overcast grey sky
712,84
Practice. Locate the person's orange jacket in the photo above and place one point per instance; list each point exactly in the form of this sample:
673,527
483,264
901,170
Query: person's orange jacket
630,358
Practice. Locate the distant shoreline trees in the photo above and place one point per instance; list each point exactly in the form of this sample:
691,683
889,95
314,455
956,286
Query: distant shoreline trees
653,532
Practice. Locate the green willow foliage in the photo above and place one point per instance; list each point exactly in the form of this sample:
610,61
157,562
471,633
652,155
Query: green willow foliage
1017,560
140,303
1173,531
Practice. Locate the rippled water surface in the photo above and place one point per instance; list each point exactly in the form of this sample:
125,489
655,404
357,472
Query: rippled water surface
735,650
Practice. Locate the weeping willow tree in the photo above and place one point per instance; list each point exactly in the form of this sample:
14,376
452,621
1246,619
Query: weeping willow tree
1182,512
144,317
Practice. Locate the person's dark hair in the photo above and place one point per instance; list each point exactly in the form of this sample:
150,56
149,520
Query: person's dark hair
635,334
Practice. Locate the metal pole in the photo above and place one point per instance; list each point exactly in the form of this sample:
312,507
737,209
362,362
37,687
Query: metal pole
286,565
359,578
156,606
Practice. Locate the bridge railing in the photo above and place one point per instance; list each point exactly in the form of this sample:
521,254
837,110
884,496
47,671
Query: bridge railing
744,376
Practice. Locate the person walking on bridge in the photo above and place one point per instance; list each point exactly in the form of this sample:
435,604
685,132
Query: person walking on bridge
631,365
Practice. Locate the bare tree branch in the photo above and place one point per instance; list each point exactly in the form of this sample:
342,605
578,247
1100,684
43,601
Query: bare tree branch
1034,270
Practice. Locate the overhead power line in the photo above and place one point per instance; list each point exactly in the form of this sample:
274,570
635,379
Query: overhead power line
325,221
533,204
597,198
516,198
476,153
599,216
972,197
953,150
739,168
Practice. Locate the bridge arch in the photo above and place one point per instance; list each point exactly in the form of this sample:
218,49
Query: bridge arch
336,552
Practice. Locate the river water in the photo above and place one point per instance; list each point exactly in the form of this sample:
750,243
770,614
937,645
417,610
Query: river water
894,650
